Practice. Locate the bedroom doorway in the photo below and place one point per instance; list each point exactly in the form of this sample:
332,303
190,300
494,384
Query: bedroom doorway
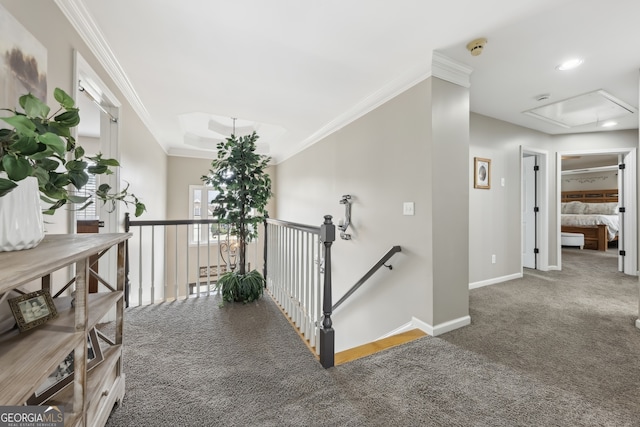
613,169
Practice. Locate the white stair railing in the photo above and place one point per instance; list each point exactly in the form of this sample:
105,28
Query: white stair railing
294,259
168,260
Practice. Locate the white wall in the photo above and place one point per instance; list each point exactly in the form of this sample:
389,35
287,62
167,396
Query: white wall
183,172
604,180
144,163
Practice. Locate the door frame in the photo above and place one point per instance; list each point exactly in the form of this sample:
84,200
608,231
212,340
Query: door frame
109,105
542,226
106,101
630,190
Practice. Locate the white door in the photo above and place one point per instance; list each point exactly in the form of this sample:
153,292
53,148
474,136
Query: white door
528,213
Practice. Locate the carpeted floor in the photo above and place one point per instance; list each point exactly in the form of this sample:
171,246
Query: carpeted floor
551,349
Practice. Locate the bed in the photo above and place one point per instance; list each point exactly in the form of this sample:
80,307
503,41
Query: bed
594,214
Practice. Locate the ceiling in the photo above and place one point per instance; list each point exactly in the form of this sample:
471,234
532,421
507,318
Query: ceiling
299,70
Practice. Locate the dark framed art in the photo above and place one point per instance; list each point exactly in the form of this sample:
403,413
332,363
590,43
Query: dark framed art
481,173
33,309
63,374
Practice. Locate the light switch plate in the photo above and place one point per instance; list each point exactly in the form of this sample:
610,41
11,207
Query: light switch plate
408,208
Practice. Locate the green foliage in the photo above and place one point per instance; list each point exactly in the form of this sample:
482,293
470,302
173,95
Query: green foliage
241,287
244,188
40,145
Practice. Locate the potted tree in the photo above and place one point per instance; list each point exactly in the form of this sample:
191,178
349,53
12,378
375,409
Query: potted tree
244,188
39,148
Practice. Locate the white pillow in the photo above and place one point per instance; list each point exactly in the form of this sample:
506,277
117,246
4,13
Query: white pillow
576,208
610,208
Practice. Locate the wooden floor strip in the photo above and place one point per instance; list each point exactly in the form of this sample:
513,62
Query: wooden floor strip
376,346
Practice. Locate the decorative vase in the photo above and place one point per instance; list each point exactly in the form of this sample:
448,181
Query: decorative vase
21,222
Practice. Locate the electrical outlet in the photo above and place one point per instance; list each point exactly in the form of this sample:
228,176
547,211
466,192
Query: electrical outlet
493,259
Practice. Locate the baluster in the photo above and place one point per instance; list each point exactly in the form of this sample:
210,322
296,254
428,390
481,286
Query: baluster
140,269
153,266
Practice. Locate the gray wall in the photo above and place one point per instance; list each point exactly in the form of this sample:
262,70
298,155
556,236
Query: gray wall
383,159
450,201
494,219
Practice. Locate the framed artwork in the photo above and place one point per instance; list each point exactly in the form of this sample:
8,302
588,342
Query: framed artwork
63,374
33,309
23,62
481,173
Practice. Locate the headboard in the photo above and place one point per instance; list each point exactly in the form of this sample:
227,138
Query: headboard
590,196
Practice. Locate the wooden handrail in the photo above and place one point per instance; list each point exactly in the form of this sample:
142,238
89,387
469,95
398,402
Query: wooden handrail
129,223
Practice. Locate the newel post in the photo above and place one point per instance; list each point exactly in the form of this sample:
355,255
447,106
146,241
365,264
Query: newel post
327,334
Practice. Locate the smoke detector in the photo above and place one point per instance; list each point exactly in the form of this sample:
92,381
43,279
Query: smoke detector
476,46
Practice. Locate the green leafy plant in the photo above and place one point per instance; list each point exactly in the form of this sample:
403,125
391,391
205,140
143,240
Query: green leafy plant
241,287
244,188
40,144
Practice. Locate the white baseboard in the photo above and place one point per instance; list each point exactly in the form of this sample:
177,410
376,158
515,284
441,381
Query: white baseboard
494,281
404,328
638,323
553,268
434,331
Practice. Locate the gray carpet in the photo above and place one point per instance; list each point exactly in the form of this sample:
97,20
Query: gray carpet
545,350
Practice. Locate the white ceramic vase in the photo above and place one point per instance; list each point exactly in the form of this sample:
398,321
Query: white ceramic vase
21,222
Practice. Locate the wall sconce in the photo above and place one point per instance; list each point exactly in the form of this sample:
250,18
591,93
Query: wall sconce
344,224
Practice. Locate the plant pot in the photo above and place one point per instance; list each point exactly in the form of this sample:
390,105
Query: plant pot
21,222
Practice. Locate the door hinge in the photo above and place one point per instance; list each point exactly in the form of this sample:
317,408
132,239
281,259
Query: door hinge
623,253
536,250
536,209
536,168
621,209
621,166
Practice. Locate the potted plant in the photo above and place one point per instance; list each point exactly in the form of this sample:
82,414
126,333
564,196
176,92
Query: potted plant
41,149
244,188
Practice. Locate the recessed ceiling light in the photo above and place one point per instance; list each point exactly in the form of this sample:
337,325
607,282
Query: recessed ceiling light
570,64
609,124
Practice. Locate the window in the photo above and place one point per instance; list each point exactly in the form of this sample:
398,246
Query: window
89,190
200,207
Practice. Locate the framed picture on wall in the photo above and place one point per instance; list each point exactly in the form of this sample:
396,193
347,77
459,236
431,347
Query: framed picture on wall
481,173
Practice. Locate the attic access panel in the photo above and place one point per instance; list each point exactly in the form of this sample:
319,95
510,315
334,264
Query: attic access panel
593,107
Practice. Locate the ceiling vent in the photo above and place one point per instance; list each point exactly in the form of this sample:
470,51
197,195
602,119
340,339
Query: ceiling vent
592,107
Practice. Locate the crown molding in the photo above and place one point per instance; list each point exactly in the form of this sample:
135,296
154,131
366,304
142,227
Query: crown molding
387,92
191,152
82,21
452,71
